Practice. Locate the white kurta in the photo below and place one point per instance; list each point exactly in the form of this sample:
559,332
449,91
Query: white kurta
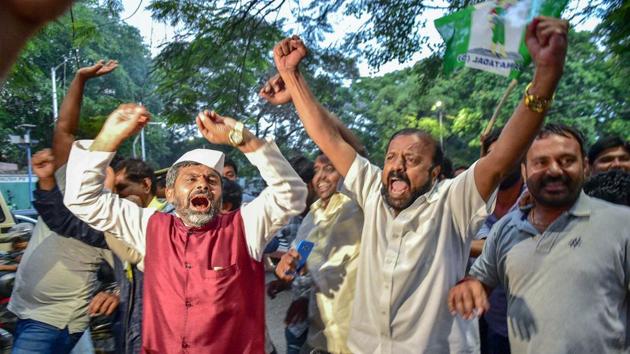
408,264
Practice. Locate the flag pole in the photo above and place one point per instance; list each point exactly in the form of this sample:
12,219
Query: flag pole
509,89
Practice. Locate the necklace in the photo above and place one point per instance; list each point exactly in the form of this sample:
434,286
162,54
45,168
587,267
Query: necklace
536,223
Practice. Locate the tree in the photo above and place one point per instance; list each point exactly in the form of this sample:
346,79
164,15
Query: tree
85,35
590,97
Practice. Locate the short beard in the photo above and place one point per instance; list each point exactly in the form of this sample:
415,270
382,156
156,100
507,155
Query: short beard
195,218
404,204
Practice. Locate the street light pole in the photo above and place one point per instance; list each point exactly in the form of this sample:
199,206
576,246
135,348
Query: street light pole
142,145
53,76
27,143
144,154
440,115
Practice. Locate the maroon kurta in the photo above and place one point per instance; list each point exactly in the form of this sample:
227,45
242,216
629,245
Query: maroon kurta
203,293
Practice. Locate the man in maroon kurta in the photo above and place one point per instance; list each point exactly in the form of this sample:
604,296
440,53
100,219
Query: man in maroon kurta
204,282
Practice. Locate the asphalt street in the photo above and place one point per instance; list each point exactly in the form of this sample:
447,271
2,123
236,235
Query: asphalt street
276,309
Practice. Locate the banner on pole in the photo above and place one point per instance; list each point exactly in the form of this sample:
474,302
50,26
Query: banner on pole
490,36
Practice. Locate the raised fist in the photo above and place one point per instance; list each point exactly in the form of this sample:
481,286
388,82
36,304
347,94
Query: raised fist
98,69
215,128
43,163
546,39
124,122
288,53
275,92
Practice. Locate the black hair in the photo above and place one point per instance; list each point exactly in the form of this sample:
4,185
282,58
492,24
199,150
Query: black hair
438,155
563,130
115,161
230,162
304,167
606,143
447,168
612,186
160,181
136,171
232,193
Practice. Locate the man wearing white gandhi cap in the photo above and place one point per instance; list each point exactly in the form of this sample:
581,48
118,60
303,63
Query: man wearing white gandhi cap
204,282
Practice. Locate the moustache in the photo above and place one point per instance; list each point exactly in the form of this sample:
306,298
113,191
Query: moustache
399,175
199,193
548,180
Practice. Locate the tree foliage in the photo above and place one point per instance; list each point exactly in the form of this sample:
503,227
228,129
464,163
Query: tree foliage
591,97
221,56
80,38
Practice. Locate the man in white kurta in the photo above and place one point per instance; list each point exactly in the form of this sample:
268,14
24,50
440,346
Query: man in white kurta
417,232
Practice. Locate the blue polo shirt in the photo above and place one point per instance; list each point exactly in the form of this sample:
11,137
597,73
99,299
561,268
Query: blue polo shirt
568,287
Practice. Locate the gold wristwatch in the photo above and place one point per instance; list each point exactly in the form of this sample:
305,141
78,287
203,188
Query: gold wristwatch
235,136
535,103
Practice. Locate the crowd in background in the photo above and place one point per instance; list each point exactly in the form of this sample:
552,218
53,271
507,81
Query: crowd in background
526,250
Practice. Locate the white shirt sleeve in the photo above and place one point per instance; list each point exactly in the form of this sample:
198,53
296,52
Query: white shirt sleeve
284,197
466,204
102,210
362,179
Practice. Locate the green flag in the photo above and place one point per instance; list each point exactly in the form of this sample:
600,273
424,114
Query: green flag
490,36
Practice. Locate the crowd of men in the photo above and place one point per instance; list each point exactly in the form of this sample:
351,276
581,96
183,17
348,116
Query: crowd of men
527,250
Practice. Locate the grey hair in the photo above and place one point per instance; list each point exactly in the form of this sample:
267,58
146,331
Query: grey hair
173,172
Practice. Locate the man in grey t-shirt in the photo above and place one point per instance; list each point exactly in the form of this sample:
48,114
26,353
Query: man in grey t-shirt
564,262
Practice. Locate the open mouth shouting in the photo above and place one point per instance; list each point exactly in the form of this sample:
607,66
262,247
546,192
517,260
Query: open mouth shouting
398,185
200,202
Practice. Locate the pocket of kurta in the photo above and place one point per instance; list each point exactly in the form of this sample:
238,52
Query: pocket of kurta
221,272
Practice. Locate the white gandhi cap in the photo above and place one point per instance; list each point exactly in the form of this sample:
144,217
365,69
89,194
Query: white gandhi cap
211,158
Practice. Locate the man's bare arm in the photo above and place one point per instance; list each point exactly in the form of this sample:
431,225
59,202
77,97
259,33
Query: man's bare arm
68,120
547,43
320,127
276,93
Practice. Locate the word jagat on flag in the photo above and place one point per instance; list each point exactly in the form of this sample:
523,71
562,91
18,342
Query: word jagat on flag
490,36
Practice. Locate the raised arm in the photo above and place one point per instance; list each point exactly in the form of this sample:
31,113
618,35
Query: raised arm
285,194
49,204
68,120
320,125
275,92
547,43
85,195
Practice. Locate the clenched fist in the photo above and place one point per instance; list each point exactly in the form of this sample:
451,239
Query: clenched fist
275,92
546,40
43,163
214,127
122,123
288,54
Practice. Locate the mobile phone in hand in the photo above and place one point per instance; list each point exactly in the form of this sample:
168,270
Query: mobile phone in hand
304,248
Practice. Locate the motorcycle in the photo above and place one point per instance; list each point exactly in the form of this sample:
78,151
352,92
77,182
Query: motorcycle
18,236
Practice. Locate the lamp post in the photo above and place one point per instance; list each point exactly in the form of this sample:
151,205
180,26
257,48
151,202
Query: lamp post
26,142
53,78
141,137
